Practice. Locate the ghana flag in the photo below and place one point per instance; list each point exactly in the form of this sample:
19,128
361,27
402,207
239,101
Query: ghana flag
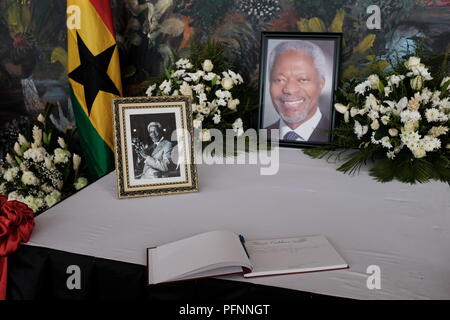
94,78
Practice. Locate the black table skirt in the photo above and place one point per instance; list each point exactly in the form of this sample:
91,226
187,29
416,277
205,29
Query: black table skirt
41,274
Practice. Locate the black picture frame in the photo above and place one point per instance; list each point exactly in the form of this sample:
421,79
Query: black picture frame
330,45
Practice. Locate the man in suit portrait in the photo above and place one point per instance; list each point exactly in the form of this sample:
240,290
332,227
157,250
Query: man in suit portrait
158,156
297,76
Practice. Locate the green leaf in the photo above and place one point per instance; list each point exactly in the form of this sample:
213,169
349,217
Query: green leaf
356,161
415,170
381,88
383,171
445,87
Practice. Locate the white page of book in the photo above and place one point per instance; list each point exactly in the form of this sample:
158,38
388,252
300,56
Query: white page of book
216,249
290,255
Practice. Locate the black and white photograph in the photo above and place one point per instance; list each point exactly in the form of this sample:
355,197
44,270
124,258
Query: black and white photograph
299,73
155,154
154,146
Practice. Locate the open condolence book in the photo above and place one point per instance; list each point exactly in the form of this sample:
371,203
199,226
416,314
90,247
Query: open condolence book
222,252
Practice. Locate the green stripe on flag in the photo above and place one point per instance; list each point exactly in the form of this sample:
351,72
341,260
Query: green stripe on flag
99,157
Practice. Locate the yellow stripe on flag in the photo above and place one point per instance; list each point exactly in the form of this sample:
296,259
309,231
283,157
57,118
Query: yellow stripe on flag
97,38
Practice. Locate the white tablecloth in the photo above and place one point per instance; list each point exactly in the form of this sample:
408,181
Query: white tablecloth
403,229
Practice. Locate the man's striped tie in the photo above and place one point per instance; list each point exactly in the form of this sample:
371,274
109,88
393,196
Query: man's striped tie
292,136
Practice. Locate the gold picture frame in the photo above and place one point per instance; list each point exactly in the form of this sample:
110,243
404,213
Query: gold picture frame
154,147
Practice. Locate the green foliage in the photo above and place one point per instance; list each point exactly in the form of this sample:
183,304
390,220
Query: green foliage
204,13
392,155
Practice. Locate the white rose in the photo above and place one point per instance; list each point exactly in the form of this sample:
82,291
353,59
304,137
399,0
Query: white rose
413,62
207,66
419,152
393,132
80,183
375,125
232,104
28,178
227,83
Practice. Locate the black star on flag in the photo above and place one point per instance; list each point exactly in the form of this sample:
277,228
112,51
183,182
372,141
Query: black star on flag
92,73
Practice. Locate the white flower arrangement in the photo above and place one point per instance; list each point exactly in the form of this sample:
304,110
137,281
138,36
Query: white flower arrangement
213,98
38,173
401,119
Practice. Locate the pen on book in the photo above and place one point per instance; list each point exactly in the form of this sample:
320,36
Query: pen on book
241,237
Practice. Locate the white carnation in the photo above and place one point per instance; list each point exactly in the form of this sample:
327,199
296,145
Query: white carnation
407,116
410,139
28,178
434,115
80,183
385,119
53,198
61,156
35,154
10,174
33,203
430,143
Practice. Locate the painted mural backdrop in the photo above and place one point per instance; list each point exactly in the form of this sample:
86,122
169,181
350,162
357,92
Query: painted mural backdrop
155,32
33,62
151,33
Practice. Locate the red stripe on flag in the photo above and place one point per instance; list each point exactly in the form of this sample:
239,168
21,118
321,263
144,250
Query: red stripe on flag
103,8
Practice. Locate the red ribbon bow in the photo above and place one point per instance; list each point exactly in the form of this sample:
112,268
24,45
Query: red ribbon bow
16,226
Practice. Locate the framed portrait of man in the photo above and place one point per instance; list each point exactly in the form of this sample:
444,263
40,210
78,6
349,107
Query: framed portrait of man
298,78
154,150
